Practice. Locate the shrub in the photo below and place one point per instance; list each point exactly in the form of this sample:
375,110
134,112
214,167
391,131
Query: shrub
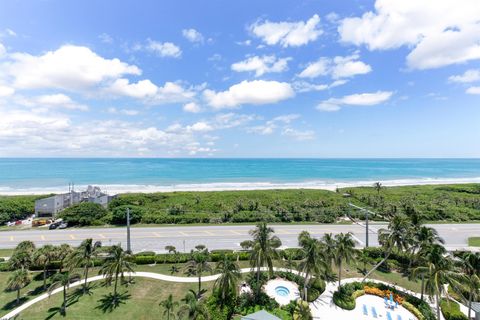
119,214
144,259
343,300
145,253
451,310
84,214
410,307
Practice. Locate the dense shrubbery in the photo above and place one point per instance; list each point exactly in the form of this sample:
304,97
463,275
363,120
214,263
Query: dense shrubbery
451,310
446,202
84,214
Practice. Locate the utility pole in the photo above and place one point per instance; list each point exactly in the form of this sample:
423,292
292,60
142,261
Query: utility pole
129,248
366,220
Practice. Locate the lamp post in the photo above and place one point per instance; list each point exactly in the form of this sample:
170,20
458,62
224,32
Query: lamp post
129,248
366,221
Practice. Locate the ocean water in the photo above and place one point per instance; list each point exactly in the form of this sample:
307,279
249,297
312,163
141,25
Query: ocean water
147,174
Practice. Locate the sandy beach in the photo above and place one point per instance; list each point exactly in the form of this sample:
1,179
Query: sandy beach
199,187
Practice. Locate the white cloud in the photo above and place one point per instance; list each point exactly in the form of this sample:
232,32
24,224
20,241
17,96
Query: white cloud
69,68
261,65
105,38
299,134
288,34
304,86
255,92
192,107
141,89
6,91
58,100
193,35
473,90
360,99
126,112
2,50
471,75
200,127
440,33
338,67
164,49
271,126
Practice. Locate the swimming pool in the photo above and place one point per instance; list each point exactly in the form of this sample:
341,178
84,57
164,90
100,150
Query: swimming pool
282,291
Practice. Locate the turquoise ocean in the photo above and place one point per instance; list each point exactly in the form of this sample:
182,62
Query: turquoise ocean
42,175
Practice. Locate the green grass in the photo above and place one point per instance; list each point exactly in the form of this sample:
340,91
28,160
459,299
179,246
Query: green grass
474,241
142,302
6,252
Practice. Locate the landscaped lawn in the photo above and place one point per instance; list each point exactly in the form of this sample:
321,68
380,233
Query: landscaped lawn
474,242
6,252
140,302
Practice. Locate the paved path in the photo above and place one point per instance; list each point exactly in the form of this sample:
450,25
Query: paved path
185,238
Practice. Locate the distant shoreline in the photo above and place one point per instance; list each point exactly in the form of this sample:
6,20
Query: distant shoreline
239,186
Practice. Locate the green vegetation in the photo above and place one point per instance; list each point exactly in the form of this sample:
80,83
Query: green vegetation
474,241
451,310
433,202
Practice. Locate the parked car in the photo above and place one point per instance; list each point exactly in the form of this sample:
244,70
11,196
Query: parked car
53,226
63,225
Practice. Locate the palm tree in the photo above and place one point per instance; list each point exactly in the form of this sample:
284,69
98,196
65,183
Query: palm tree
364,258
116,264
198,265
289,261
263,249
344,251
395,237
313,262
437,274
63,280
470,265
169,305
378,187
22,257
43,257
63,251
421,237
193,309
302,311
17,281
329,247
226,284
83,256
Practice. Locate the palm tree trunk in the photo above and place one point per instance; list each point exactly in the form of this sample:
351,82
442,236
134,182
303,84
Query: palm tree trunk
438,305
115,287
339,274
44,277
305,287
86,277
199,283
377,265
18,296
64,305
423,287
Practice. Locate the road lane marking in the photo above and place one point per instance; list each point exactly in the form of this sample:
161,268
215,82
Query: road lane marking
157,234
72,236
209,233
236,232
102,236
42,237
184,234
11,238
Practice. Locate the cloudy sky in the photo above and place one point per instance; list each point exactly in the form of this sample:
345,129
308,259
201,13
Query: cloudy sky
274,78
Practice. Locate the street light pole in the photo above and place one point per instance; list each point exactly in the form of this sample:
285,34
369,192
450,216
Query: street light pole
129,248
366,220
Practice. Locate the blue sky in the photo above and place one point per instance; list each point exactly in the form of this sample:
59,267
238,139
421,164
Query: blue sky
240,79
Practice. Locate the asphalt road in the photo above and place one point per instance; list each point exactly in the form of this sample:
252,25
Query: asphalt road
185,238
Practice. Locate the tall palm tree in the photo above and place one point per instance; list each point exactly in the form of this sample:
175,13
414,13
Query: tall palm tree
394,237
428,253
193,309
329,244
17,281
63,280
344,251
289,261
169,305
470,265
63,252
378,187
313,262
421,237
22,257
263,249
437,275
198,265
43,257
83,256
226,284
115,265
